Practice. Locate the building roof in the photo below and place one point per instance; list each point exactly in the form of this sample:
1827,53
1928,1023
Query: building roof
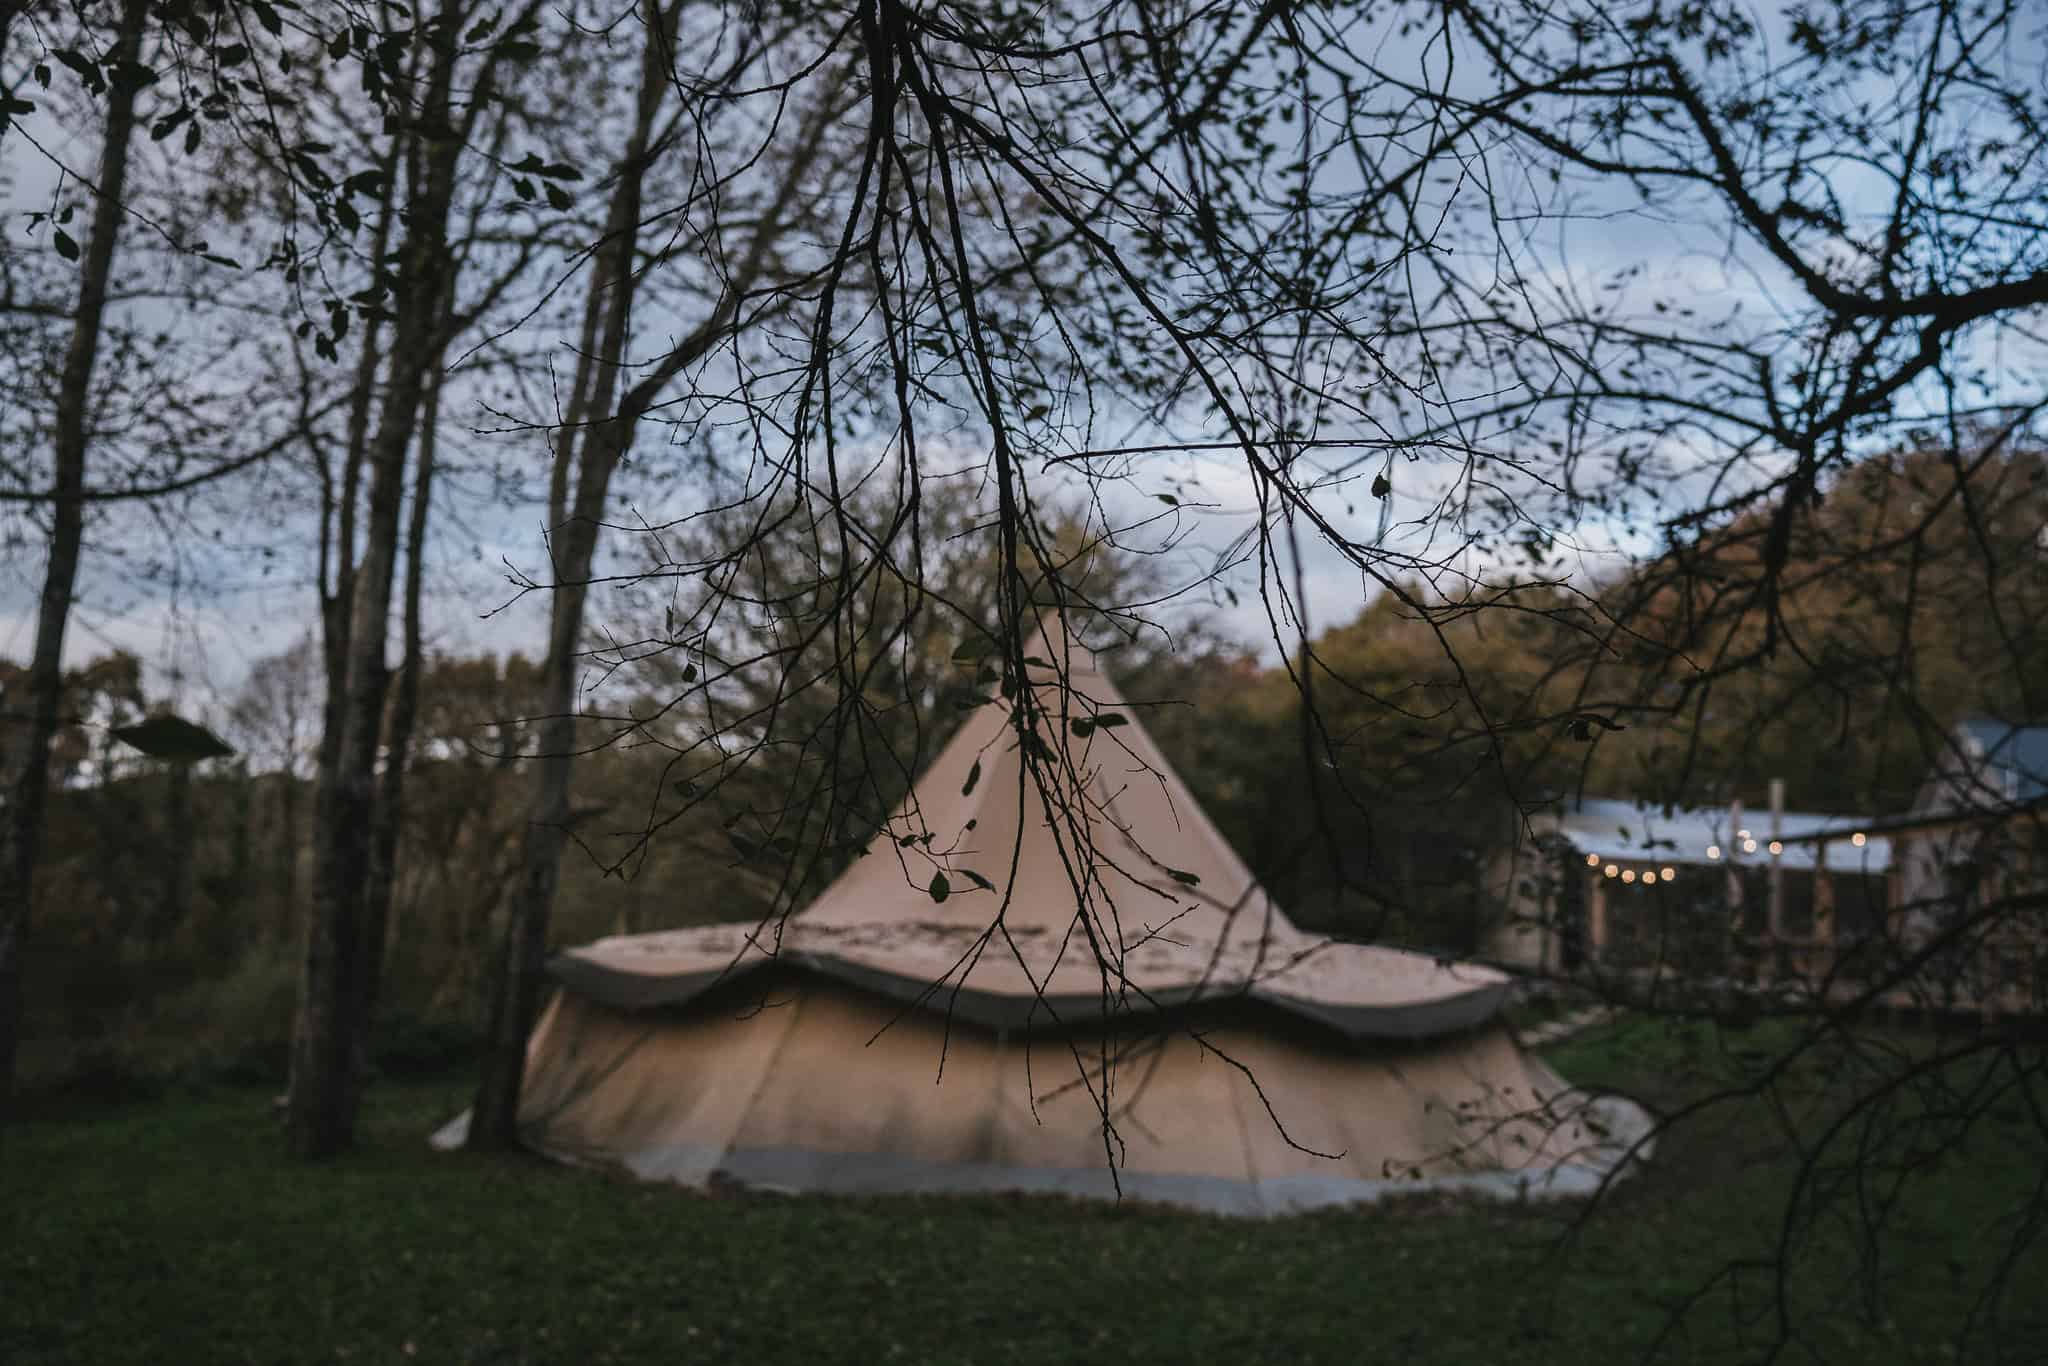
2016,756
1633,832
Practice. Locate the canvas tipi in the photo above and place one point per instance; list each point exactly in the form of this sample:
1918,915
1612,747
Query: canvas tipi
1051,973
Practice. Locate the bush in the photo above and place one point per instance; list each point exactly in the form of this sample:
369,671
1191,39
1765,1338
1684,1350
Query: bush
410,1044
86,1075
237,1027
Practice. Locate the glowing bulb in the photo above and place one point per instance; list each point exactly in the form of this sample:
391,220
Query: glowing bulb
1592,860
1777,848
1742,834
1628,875
1713,851
1612,870
1857,839
1749,846
1670,873
1648,876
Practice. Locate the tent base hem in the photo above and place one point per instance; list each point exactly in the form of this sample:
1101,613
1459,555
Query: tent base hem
794,1171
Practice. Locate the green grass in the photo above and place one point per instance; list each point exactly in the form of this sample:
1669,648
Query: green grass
176,1230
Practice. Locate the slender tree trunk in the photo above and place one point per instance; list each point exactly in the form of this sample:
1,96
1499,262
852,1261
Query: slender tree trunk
320,1115
337,580
515,998
398,735
516,988
288,855
21,836
338,517
243,840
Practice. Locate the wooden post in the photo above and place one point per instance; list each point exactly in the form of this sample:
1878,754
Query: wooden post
1596,917
1731,852
1775,911
1823,911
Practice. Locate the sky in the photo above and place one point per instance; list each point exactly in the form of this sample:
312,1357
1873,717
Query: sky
200,637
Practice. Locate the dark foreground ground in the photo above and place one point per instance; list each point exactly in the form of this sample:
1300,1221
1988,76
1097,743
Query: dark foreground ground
177,1231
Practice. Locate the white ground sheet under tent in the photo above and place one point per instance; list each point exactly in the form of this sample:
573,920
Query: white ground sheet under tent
882,1040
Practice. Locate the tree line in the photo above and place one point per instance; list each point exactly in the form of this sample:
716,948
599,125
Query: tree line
170,887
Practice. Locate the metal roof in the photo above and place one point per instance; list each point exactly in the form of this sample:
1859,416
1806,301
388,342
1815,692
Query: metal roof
2017,755
1631,832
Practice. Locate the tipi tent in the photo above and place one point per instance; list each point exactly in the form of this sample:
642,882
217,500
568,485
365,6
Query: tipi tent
1142,1020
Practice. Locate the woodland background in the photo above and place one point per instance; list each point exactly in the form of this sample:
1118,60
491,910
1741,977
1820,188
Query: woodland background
173,913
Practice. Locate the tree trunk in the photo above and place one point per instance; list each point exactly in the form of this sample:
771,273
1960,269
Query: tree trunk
608,428
320,1114
288,856
337,575
21,837
243,838
398,737
516,988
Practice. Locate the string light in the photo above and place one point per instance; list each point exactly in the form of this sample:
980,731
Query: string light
1857,839
1713,851
1749,846
1592,860
1670,874
1777,848
1648,876
1742,834
1612,870
1628,875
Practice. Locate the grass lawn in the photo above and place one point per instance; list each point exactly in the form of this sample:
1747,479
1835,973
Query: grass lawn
176,1231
